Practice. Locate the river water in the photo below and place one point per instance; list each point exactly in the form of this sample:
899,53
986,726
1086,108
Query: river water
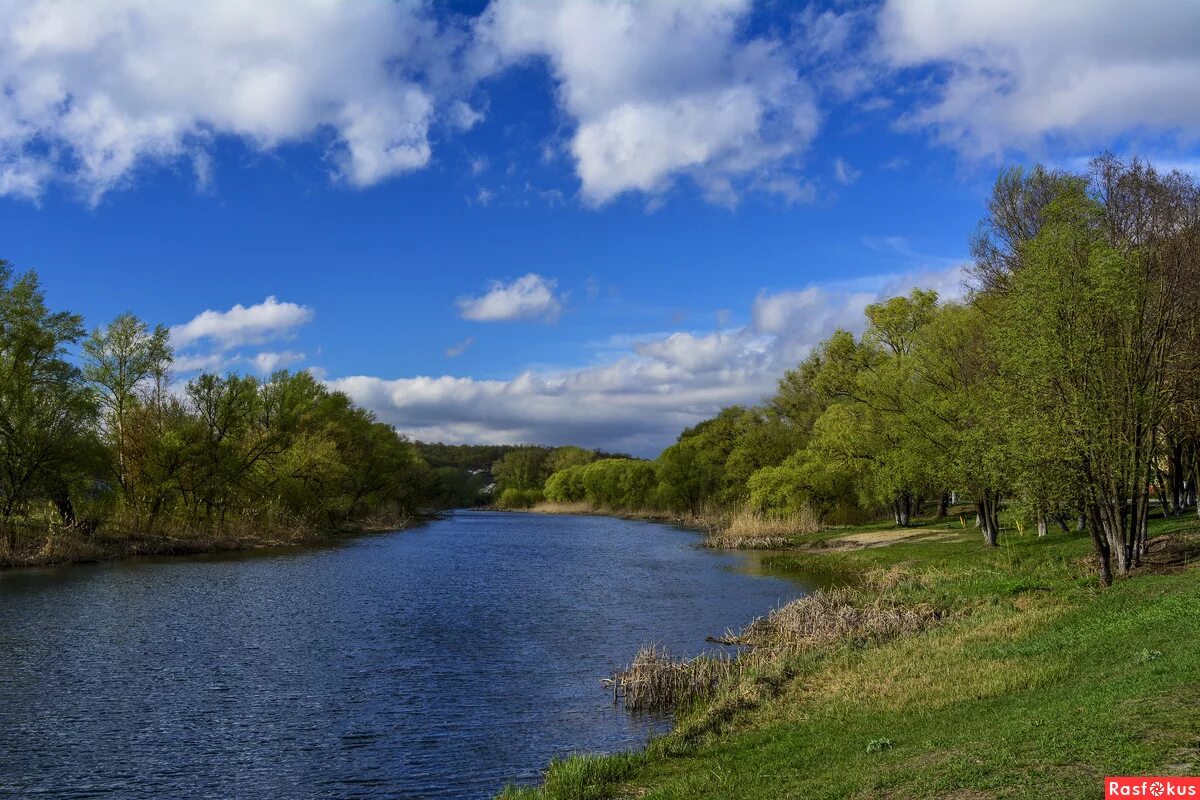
443,661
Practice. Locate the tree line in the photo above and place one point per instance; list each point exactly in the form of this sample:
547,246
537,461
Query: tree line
1064,389
95,438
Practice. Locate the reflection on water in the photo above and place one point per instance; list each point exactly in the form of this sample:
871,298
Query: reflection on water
444,661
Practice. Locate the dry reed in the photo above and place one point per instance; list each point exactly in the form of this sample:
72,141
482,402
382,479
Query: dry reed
836,615
656,681
753,530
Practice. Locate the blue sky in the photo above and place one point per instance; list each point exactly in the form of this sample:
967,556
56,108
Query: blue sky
571,221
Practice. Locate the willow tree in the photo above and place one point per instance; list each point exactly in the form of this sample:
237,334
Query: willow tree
1093,330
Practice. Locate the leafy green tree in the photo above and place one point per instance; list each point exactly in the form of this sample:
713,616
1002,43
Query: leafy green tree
45,410
126,363
1092,331
521,469
561,458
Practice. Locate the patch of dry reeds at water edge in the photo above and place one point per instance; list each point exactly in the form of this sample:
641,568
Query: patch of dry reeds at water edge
655,680
753,530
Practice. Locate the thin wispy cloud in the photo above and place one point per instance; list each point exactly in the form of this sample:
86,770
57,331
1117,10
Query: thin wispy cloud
843,173
457,349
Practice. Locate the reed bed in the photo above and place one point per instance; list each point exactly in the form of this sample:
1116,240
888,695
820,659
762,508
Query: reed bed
655,680
752,530
836,615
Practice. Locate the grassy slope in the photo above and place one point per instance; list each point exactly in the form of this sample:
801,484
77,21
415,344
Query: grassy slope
1038,685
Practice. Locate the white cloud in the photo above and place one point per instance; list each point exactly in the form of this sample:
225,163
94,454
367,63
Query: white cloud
646,394
1016,74
463,117
243,325
793,190
843,173
458,348
93,90
268,362
528,297
203,362
659,90
695,354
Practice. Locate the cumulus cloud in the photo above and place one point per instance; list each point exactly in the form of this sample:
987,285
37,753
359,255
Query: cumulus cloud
267,362
530,297
241,325
1021,73
697,354
641,398
93,90
658,90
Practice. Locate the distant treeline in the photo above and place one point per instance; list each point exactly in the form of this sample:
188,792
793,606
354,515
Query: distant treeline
96,440
1065,388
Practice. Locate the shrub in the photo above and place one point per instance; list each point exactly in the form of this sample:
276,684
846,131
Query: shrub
519,498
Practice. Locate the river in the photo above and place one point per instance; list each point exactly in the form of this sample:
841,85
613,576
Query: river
443,661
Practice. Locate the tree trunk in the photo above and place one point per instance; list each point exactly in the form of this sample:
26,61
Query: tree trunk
1100,544
943,504
1042,524
987,509
1178,493
1161,489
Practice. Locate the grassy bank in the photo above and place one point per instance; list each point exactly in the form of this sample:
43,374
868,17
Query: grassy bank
1033,682
67,546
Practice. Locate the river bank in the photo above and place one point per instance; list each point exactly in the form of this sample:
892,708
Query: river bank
703,523
1033,683
723,530
68,546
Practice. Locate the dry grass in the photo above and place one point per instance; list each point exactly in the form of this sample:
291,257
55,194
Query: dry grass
724,530
883,538
836,615
548,507
707,520
752,530
656,680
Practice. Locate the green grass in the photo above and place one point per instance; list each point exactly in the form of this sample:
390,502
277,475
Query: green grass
1038,684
